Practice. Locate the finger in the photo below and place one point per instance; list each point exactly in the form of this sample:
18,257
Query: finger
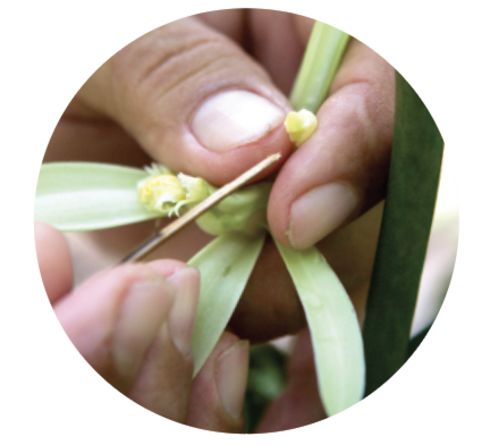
163,382
277,44
193,100
300,404
218,391
54,260
114,317
341,171
230,22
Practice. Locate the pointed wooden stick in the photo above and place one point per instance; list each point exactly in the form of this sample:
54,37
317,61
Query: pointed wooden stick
182,222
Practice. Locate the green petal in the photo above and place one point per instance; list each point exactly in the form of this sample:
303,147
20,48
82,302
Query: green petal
75,196
225,265
335,331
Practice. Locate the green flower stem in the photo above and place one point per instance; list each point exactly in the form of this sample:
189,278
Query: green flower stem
320,63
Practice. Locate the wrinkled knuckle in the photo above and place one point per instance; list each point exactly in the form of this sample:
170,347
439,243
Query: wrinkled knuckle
163,66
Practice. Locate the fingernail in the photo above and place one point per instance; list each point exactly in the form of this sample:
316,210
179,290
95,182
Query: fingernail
231,377
319,212
235,118
186,282
143,311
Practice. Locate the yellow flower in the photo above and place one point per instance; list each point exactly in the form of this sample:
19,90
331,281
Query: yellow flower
167,193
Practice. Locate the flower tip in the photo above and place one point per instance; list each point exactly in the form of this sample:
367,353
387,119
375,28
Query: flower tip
167,193
300,125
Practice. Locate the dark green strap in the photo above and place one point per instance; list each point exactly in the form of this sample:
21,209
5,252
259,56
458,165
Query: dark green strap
407,218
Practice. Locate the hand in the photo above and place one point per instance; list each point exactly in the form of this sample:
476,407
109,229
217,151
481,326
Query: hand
299,404
193,99
133,324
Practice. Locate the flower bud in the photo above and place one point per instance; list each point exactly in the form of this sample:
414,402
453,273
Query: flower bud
243,211
169,194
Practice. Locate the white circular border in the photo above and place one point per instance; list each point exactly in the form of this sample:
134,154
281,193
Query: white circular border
50,48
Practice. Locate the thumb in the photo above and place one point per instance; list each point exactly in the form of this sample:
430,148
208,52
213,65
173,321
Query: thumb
194,101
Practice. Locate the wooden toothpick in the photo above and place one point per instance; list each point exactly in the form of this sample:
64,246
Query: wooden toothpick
182,222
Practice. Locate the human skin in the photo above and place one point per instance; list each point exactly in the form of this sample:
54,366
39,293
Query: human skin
133,324
156,99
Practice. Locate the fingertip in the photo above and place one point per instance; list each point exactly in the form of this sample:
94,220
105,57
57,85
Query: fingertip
234,118
319,212
113,317
336,175
215,124
221,167
167,267
278,211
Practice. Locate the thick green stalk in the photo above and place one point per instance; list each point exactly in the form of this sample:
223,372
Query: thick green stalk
320,63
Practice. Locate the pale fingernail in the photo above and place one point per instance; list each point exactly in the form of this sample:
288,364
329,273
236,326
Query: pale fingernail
186,282
234,118
143,311
319,212
231,372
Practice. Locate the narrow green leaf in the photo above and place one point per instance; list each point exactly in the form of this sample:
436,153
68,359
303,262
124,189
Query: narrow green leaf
225,265
335,331
321,60
75,196
407,218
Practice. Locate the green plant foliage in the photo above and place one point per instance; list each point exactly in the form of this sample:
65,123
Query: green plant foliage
225,265
90,196
407,218
334,328
75,196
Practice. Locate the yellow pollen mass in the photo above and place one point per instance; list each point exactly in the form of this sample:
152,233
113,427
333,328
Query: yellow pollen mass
300,125
161,193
